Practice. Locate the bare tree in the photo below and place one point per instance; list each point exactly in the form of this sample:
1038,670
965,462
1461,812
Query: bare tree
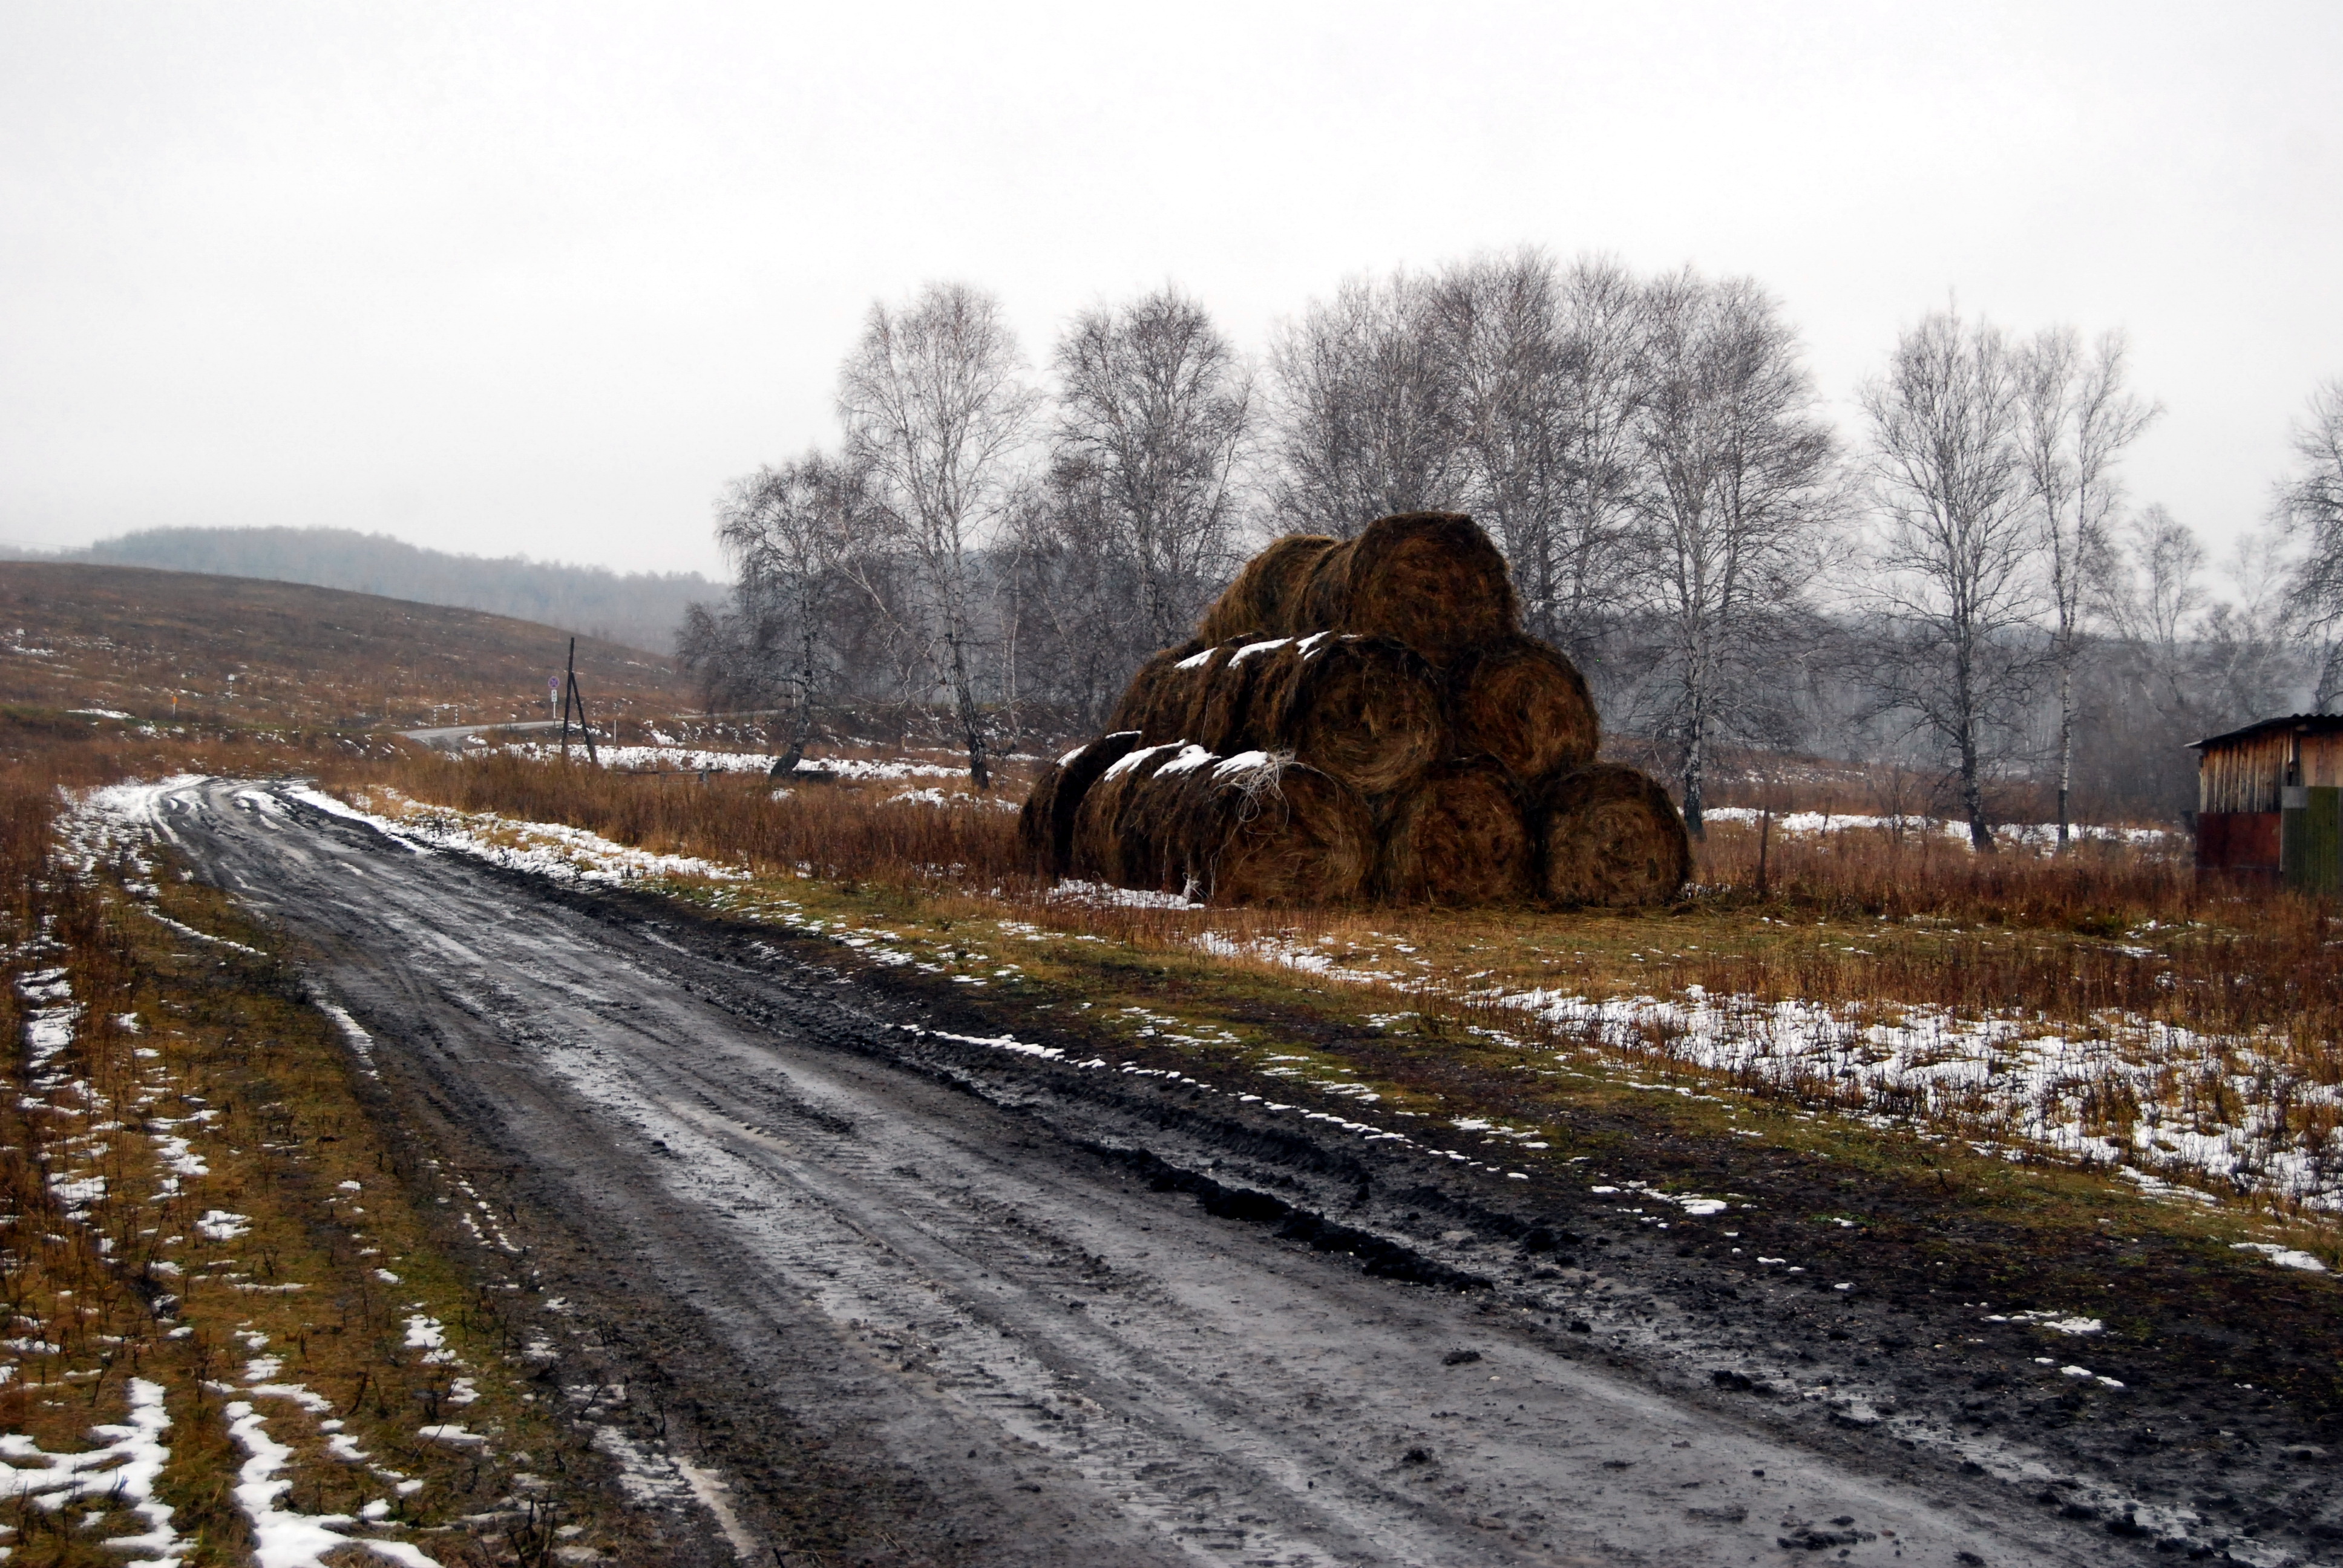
2075,419
2161,598
1738,473
937,411
1546,378
1955,579
790,533
1500,320
1603,366
2311,510
2255,669
1154,412
1365,420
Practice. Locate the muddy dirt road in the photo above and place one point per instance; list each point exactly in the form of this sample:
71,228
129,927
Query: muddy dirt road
920,1299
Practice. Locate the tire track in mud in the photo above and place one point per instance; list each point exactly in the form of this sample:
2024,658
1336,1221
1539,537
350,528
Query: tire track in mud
991,1326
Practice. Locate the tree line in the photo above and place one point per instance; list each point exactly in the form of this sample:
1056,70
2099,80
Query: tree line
1962,587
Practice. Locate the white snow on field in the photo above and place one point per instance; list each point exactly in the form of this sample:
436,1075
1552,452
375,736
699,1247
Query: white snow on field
123,1471
2284,1257
550,850
690,759
2162,1103
281,1537
2001,1077
2035,835
1103,894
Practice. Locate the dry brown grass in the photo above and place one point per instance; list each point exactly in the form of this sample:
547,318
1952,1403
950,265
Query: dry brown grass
2097,949
111,1271
235,651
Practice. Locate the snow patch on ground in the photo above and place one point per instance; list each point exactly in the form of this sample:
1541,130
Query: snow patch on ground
281,1537
124,1470
550,850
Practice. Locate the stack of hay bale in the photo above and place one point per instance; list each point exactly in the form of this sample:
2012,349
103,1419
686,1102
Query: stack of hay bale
1361,719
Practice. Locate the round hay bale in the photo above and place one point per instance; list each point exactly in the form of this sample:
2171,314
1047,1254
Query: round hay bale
1611,836
1099,847
1522,703
1045,826
1158,697
1262,831
1431,581
1155,822
1459,837
1261,602
1365,711
1223,719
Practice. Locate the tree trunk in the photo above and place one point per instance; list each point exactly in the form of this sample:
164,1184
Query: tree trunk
964,698
1696,769
2066,745
802,711
1972,783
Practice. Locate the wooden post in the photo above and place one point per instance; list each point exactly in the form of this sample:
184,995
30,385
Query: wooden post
584,729
569,684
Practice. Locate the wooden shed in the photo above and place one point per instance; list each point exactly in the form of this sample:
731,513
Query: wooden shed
2269,803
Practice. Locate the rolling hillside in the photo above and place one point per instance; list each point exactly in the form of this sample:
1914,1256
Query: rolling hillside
641,610
127,641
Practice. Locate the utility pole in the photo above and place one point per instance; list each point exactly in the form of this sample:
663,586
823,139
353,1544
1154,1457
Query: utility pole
572,696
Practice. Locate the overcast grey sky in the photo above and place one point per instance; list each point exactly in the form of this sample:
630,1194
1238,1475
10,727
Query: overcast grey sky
539,277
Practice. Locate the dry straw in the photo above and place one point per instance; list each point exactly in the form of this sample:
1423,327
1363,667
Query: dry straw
1431,581
1611,836
1401,719
1521,702
1259,603
1457,837
1045,828
1268,831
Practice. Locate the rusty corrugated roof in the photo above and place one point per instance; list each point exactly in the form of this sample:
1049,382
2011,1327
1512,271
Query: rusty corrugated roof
2308,723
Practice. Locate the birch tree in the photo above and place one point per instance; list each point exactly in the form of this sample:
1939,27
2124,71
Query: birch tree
1954,567
1737,466
789,533
1604,381
937,412
2310,511
1366,418
2076,417
1154,414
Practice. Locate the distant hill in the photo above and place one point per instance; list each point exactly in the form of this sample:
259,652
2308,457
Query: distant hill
641,610
130,640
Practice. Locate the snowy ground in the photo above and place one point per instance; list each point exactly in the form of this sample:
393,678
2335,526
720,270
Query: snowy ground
2033,835
2160,1104
2204,1111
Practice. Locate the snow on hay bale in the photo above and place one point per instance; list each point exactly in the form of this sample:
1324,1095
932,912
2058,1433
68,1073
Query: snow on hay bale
1045,828
1431,581
1364,710
1263,830
1106,844
1457,837
1248,829
1609,835
1156,701
1520,701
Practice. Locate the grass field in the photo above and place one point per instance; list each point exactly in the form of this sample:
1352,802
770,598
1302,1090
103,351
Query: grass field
209,653
2075,1079
2017,1138
2096,1007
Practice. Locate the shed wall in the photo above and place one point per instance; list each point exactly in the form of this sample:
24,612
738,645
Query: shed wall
2243,775
2247,775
